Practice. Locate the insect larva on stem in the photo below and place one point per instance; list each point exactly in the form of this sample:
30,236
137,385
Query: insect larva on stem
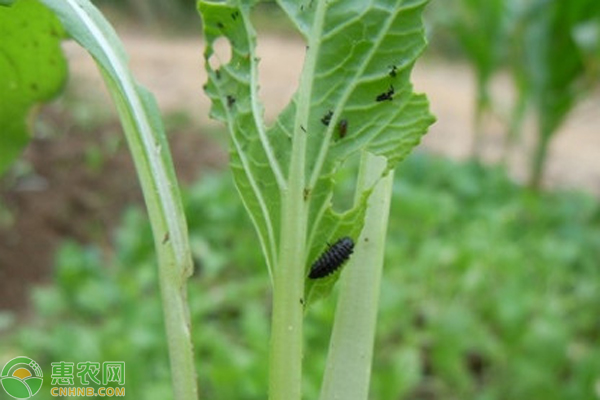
332,259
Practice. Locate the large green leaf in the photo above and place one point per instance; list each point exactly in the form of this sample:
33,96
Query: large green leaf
357,52
32,70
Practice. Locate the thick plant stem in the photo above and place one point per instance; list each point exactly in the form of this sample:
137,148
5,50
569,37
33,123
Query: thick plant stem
143,128
348,369
285,368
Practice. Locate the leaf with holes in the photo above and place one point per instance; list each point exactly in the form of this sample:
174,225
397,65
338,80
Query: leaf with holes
354,95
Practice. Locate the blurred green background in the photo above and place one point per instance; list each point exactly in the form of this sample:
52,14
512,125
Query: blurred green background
491,287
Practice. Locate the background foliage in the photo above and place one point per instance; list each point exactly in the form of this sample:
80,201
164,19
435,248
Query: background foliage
489,292
550,48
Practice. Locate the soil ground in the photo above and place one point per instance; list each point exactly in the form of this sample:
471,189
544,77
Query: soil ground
66,194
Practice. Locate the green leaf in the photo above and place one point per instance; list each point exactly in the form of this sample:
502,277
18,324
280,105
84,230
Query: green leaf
555,63
32,70
481,28
554,66
357,52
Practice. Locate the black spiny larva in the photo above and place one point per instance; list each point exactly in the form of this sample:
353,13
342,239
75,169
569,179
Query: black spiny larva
332,259
389,95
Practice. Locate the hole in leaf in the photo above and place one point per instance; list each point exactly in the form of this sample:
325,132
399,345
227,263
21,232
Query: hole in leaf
281,61
222,53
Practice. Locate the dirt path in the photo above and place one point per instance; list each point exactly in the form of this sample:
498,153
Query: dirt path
172,69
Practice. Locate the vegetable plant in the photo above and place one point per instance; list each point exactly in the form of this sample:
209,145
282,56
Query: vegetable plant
353,100
481,30
551,48
556,66
354,110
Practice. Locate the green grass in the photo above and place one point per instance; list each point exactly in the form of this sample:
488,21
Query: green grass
489,292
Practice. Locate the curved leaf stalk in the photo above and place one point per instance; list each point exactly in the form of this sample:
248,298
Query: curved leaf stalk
348,370
145,135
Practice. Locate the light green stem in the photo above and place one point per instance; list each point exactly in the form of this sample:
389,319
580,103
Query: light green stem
348,369
285,369
538,161
143,128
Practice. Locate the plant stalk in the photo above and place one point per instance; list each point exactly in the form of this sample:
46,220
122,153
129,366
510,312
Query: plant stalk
285,369
482,106
539,160
515,127
348,369
145,136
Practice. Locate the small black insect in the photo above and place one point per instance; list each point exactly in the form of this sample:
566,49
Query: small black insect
220,25
306,193
230,100
303,128
393,71
234,15
332,259
343,128
218,73
386,95
327,118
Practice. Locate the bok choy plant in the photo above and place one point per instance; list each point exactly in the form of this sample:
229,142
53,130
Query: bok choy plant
354,100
